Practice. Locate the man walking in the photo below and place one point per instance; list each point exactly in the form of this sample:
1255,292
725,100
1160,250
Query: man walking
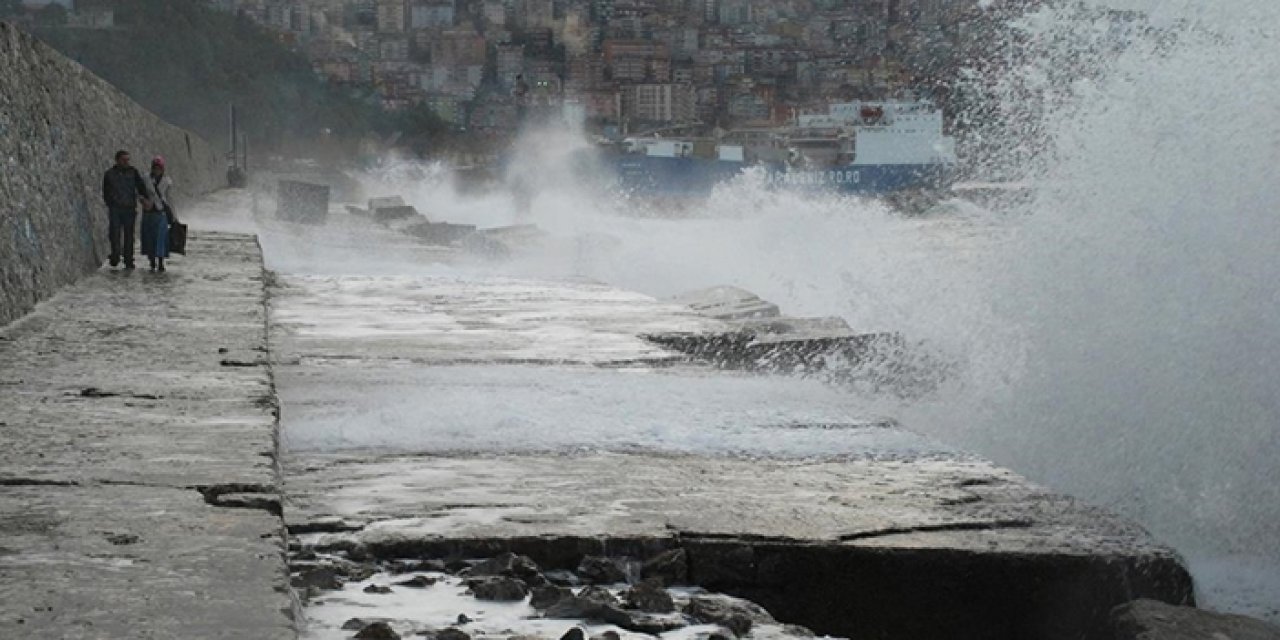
122,189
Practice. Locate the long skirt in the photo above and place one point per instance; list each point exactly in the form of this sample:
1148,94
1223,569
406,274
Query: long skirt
155,234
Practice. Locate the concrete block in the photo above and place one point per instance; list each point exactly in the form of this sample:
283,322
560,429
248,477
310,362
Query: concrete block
389,214
298,201
387,201
440,233
727,303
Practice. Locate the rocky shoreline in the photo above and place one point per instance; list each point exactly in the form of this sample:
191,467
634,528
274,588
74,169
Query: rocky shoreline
603,598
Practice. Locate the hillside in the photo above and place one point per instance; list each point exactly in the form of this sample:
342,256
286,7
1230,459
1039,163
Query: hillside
187,62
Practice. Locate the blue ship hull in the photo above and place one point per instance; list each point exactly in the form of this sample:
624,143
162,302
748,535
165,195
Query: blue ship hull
686,177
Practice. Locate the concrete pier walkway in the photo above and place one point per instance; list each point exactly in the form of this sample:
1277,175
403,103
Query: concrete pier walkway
138,480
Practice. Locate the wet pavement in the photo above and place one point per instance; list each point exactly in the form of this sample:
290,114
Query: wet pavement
137,457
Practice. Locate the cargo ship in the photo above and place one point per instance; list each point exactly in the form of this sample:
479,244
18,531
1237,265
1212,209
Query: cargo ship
860,148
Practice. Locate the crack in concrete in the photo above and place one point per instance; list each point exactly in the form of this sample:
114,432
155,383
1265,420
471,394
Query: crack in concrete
94,392
36,482
989,525
243,496
324,527
242,363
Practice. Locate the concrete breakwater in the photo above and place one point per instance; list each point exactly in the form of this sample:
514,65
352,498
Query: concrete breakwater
59,126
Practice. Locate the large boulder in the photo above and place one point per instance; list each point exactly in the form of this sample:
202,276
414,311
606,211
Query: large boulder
510,565
650,597
548,595
378,631
735,614
498,588
1154,620
589,603
640,622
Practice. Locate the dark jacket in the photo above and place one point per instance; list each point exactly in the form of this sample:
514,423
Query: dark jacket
121,188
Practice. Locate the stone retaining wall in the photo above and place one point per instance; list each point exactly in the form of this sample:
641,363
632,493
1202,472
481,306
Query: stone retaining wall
59,128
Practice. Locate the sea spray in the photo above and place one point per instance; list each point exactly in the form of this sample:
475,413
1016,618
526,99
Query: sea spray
1114,336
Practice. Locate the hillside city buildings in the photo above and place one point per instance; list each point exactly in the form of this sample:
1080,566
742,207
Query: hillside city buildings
628,64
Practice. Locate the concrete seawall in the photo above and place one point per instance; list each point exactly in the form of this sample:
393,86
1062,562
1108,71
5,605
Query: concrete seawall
59,126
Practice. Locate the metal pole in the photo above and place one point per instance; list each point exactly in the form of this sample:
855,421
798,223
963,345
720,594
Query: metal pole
234,136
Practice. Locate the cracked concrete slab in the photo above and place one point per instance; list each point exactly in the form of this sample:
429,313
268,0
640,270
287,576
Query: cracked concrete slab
961,504
126,417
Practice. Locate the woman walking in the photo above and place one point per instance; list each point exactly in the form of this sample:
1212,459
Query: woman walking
155,222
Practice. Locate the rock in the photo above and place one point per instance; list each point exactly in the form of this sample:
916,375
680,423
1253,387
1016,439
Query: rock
649,596
498,588
671,567
417,566
563,578
508,564
355,572
640,622
608,635
600,570
378,631
735,614
463,619
544,597
589,603
417,582
320,577
378,589
739,624
576,633
453,633
797,631
1153,620
353,624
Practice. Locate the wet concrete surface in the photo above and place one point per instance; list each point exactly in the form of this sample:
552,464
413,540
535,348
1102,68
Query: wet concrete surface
134,406
926,502
454,320
434,417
